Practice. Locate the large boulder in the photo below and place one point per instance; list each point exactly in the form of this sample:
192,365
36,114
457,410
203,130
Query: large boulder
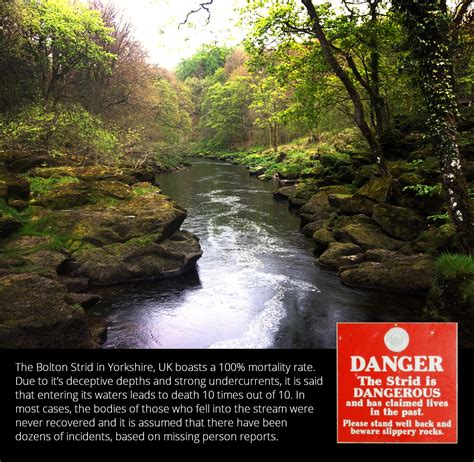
323,236
394,273
352,204
76,194
341,254
92,173
398,222
378,189
438,239
36,312
138,259
117,223
364,232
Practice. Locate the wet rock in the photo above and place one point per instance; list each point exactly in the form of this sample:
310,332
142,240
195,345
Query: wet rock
257,171
284,193
341,254
85,300
75,284
46,320
394,273
398,222
139,259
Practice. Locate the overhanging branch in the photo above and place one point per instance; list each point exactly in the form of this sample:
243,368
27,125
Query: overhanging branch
202,6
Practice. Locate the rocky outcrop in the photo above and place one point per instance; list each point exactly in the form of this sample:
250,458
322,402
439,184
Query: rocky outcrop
392,272
341,254
36,312
87,226
138,259
398,222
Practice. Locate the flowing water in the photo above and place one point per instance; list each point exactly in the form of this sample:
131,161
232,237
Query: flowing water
256,285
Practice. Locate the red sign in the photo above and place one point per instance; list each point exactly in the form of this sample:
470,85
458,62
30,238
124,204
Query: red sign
397,382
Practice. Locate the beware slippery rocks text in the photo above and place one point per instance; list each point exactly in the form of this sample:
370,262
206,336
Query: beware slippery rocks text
397,382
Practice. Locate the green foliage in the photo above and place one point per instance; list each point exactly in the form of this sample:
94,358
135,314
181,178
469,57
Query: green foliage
40,186
60,130
65,36
204,63
439,218
425,190
11,212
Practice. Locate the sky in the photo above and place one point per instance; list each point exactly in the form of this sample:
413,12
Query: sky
156,27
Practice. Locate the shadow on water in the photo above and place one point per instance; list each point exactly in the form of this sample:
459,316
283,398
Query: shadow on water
256,285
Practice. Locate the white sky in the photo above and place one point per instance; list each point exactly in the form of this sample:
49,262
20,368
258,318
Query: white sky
156,27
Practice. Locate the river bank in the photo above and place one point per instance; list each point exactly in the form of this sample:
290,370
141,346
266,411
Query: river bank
64,231
377,232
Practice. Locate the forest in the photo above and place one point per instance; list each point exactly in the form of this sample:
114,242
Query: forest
358,114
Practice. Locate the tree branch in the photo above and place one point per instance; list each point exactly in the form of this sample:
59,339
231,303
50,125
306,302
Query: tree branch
202,6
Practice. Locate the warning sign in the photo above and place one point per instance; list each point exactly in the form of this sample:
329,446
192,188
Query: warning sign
397,382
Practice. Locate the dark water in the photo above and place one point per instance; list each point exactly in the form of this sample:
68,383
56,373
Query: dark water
256,285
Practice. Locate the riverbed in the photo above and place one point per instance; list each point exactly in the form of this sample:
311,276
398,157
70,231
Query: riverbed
256,285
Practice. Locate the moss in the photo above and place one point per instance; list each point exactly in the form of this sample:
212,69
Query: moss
11,212
138,191
40,186
452,294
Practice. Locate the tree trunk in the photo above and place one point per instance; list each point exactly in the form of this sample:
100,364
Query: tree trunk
427,25
342,75
382,123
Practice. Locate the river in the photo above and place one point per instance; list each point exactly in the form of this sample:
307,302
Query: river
256,285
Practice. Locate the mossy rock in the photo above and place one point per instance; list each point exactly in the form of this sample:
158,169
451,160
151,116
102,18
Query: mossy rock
364,232
352,204
452,294
378,189
398,222
438,239
138,259
36,312
93,173
412,274
341,254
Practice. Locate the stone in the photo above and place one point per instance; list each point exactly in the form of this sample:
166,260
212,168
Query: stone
394,273
352,204
18,204
284,193
139,259
341,254
257,171
91,173
378,189
399,222
317,203
323,236
47,259
438,239
75,284
8,226
46,320
85,300
368,235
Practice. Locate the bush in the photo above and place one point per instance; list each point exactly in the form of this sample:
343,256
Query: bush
63,130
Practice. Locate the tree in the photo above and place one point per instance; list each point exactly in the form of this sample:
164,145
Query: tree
270,105
427,23
63,38
204,63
